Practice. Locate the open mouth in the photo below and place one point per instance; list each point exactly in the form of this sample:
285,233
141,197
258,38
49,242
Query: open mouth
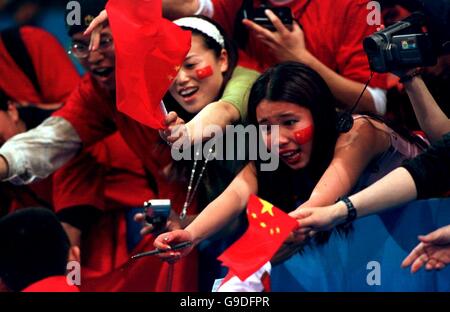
103,72
292,156
187,93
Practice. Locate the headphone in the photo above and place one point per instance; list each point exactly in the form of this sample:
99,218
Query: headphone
344,120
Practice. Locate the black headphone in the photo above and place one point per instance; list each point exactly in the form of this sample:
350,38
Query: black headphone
344,120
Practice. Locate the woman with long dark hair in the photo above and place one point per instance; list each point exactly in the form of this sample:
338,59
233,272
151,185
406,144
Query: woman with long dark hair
318,164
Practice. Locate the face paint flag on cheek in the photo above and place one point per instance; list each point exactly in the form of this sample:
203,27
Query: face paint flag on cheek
204,73
304,135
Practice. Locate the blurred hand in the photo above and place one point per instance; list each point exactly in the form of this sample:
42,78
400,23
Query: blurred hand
94,29
165,240
284,44
173,223
175,131
433,251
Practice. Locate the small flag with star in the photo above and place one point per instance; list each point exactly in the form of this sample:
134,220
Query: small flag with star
267,230
149,51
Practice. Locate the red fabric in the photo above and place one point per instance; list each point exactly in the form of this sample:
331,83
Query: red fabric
146,274
149,53
92,113
108,172
22,197
55,72
52,284
57,78
334,31
268,228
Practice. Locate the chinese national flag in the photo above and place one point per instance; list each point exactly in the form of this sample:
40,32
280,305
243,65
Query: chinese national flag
268,228
149,52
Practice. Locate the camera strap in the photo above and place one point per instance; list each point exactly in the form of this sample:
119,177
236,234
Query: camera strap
345,119
191,191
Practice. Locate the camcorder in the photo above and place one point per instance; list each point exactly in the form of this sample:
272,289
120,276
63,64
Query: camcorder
157,212
401,46
283,13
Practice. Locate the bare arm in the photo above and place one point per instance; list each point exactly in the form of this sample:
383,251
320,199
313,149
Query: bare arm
431,118
219,114
395,188
354,150
213,218
226,207
174,9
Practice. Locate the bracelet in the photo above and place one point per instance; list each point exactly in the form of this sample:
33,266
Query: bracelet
351,211
409,77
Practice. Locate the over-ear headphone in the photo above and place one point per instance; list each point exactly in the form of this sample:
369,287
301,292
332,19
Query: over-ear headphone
344,120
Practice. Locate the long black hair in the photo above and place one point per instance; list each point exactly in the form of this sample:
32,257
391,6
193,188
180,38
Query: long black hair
298,84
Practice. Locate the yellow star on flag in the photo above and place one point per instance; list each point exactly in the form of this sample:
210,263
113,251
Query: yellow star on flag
267,207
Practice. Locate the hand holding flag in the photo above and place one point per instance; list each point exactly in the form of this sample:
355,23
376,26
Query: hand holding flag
149,52
268,228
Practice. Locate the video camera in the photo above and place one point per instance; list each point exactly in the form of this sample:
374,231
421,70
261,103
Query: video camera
402,45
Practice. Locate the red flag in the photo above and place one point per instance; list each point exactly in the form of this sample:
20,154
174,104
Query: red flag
149,53
268,228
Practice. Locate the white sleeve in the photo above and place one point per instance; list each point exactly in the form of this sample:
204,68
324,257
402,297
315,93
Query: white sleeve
206,8
37,153
380,99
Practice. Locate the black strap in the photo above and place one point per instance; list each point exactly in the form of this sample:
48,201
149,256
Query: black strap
16,48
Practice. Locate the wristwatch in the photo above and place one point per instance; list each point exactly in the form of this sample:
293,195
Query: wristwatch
351,211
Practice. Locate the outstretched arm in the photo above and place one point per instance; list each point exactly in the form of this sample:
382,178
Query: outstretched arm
215,216
431,118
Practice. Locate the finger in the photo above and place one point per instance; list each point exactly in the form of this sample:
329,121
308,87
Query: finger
102,17
170,257
95,38
139,217
413,255
279,26
257,29
147,229
430,264
439,265
163,241
433,237
170,118
303,230
418,263
301,213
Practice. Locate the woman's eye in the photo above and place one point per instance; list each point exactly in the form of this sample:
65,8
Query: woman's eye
189,66
290,122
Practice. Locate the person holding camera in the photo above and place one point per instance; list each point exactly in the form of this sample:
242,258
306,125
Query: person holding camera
329,40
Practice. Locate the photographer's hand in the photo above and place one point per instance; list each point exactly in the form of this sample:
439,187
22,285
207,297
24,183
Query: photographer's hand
285,44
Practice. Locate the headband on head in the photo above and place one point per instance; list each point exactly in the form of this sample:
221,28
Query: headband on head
202,26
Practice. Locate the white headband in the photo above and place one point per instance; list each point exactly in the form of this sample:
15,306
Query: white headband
202,26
